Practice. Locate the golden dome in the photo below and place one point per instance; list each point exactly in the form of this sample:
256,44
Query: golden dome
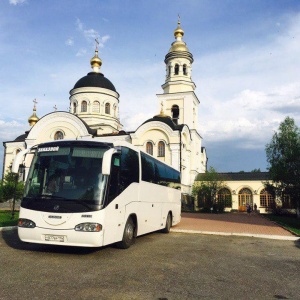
32,120
178,45
96,62
178,32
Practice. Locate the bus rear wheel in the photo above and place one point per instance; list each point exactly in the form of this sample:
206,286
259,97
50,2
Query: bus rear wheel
168,224
128,235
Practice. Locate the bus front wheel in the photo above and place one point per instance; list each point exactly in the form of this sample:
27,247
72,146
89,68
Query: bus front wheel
168,224
128,235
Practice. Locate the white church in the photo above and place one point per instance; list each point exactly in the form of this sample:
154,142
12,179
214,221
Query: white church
171,135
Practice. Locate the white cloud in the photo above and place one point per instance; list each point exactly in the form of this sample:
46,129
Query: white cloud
9,130
16,2
79,24
91,34
245,93
69,42
81,52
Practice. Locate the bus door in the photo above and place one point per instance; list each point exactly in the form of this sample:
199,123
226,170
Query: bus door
114,211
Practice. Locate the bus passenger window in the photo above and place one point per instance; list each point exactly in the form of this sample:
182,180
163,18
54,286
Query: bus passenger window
129,168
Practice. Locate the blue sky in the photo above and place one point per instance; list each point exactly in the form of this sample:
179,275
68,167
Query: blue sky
246,64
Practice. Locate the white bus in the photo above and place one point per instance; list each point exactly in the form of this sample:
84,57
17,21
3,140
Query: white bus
91,194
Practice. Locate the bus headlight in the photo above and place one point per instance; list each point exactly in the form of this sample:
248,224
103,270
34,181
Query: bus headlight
88,227
26,223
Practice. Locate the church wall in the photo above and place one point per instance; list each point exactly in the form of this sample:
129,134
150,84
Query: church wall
155,136
235,187
97,114
11,150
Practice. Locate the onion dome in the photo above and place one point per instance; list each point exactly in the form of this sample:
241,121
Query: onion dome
95,78
178,45
162,114
96,62
32,120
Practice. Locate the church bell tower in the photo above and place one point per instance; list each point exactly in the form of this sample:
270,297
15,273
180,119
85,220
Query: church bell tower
178,98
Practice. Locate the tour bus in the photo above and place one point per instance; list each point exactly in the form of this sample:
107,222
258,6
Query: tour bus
90,193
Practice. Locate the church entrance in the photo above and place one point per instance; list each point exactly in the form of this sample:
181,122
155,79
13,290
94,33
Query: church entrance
245,196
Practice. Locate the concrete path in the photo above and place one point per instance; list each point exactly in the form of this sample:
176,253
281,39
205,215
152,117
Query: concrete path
241,224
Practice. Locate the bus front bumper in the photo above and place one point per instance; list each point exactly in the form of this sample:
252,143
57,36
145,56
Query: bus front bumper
61,237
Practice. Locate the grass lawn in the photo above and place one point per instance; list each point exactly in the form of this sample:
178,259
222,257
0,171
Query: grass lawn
6,220
288,222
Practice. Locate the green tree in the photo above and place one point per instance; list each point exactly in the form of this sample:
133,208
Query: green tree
11,187
205,189
283,157
256,170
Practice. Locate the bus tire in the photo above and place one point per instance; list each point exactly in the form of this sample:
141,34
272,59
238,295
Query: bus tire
128,235
168,224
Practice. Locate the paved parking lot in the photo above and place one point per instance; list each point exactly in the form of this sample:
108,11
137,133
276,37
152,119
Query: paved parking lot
232,223
159,266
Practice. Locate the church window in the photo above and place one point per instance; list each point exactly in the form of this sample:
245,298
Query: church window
161,149
184,70
83,106
107,108
175,113
266,199
74,108
149,148
169,74
96,106
176,69
58,135
245,197
224,197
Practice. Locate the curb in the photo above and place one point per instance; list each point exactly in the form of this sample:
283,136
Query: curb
7,228
263,236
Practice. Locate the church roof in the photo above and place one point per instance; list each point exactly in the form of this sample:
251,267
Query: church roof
241,176
22,137
167,120
95,79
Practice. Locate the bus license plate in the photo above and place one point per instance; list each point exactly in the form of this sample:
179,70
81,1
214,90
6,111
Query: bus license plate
54,238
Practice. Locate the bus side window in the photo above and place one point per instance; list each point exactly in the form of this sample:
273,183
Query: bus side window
114,189
129,172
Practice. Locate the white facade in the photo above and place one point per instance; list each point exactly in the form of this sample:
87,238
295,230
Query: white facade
94,113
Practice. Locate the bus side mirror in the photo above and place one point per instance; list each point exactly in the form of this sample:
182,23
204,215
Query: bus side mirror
106,161
19,160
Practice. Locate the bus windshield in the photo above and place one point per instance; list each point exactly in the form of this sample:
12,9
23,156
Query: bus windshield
67,177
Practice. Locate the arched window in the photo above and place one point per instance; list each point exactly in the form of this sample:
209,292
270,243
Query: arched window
175,113
169,73
161,149
96,106
74,108
245,197
83,106
184,70
149,148
58,135
266,199
107,108
224,197
176,69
